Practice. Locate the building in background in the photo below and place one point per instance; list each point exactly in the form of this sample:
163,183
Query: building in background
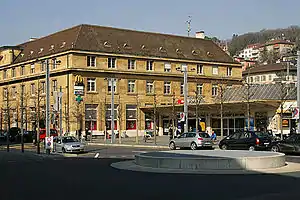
144,66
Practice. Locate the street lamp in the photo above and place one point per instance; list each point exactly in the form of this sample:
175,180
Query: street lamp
184,69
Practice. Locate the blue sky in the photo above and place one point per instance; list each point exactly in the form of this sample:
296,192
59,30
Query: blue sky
22,19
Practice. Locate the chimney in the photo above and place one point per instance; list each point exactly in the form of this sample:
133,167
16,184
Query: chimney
200,34
32,39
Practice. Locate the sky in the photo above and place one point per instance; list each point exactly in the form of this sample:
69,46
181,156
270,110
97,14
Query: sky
23,19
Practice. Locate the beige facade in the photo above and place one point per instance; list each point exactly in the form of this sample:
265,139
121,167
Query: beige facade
140,80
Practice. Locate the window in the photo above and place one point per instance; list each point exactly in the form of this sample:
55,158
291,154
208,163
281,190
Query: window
270,77
4,74
257,78
251,79
14,91
167,67
149,65
54,63
108,116
91,84
167,87
111,63
199,88
32,89
5,91
54,85
43,87
229,86
131,64
214,91
229,71
131,117
181,88
32,69
131,86
199,69
13,72
91,116
215,70
109,89
22,70
149,87
43,66
91,61
263,78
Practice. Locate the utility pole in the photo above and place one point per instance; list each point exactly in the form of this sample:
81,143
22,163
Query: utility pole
174,115
137,119
197,117
38,120
221,110
8,119
112,110
47,103
119,118
60,111
154,120
185,93
298,87
22,129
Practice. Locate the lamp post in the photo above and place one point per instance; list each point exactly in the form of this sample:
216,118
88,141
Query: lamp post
184,69
298,87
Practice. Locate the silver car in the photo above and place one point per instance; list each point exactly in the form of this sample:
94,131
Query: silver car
191,139
69,144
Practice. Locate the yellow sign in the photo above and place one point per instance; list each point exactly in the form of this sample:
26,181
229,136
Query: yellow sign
78,80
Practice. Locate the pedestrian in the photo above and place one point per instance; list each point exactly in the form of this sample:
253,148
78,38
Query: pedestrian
145,135
213,136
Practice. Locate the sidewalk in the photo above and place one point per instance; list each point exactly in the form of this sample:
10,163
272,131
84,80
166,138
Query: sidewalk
162,142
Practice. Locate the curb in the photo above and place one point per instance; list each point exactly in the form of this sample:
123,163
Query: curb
130,145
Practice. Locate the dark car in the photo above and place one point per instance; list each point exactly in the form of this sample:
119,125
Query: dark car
246,141
289,145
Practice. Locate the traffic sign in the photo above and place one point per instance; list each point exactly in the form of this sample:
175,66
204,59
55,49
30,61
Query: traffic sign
182,117
180,101
49,142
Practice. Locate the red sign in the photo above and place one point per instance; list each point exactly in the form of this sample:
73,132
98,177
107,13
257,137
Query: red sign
180,101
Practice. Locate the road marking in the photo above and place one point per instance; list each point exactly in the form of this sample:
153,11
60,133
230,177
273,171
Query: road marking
139,151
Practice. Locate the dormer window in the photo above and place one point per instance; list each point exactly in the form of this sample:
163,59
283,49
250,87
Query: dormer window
161,49
194,52
106,44
63,45
143,46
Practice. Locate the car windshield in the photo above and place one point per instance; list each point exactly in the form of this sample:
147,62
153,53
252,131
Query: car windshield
204,135
69,139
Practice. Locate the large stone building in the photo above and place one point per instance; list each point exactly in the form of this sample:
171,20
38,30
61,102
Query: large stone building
144,65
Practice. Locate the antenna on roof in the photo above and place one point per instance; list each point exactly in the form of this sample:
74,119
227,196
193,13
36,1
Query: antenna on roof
189,21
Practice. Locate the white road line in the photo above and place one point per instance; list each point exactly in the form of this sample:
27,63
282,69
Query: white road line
139,151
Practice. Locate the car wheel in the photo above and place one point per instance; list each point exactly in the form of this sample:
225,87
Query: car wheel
193,146
172,146
275,148
251,148
224,147
63,150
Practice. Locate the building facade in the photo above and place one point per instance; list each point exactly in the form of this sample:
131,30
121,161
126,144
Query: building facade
145,67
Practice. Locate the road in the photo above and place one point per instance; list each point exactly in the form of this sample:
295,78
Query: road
88,178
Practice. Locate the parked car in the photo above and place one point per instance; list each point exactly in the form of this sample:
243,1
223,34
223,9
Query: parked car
290,144
191,139
68,144
246,140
